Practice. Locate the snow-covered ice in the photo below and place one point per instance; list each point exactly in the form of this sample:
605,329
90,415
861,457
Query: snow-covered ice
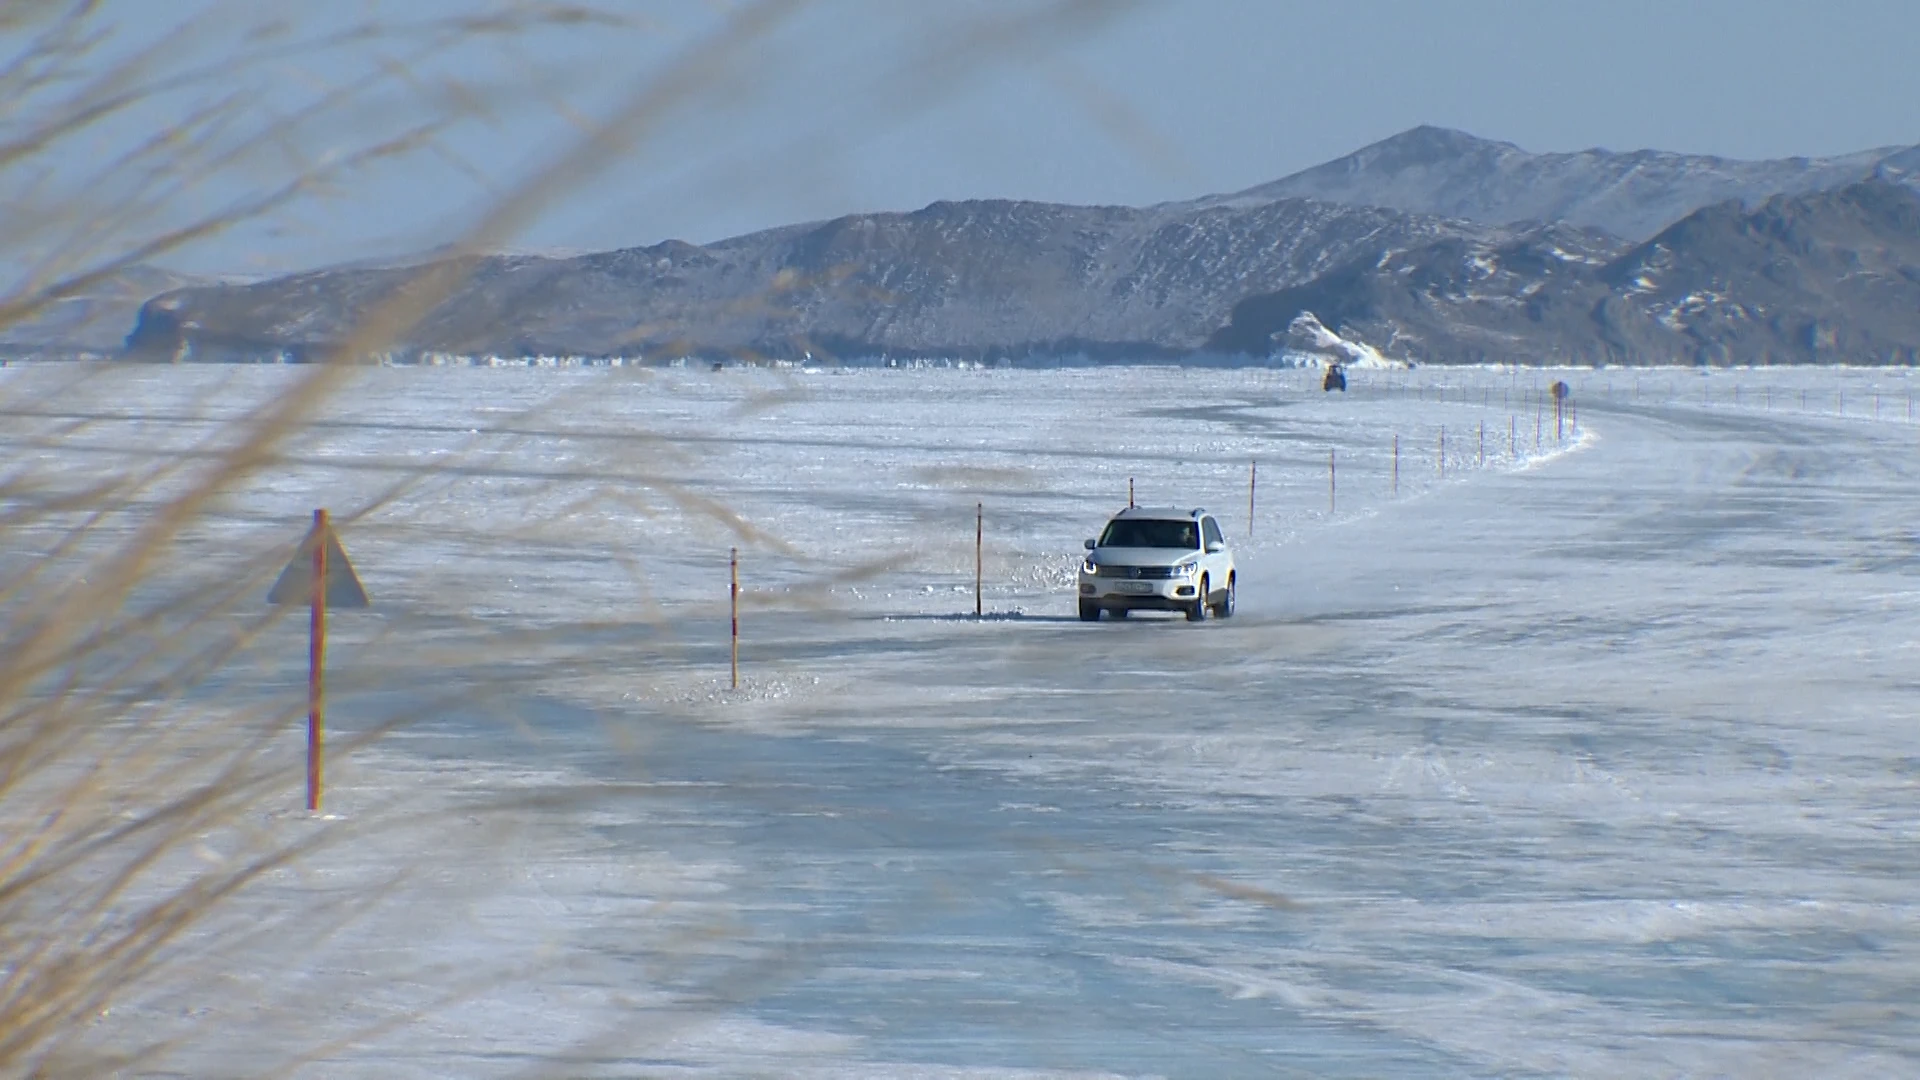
1595,757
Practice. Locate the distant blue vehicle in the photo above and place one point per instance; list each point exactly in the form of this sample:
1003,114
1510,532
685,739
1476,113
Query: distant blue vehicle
1336,379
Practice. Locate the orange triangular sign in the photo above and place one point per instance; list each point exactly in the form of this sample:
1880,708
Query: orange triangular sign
295,585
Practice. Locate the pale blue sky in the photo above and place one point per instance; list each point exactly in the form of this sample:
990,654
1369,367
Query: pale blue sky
1166,100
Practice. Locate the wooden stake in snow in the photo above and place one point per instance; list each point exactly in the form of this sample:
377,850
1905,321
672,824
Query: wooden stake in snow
979,535
1253,481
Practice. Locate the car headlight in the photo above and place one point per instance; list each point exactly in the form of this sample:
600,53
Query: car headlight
1088,566
1186,569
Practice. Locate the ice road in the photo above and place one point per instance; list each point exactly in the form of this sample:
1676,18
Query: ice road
1597,757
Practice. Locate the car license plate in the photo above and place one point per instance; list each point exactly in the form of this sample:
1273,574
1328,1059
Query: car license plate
1135,587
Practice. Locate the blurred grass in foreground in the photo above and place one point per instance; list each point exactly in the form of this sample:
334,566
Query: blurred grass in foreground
147,851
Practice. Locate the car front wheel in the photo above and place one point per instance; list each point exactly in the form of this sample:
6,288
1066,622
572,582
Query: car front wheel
1089,612
1198,612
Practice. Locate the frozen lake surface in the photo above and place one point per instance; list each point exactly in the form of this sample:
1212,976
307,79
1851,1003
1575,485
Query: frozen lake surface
1594,757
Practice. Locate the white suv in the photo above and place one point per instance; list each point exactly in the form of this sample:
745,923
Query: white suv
1159,560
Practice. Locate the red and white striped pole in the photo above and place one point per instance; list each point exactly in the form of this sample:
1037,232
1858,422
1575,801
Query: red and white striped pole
733,604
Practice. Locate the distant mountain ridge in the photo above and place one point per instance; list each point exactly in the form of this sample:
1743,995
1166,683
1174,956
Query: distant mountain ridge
1823,277
94,321
1445,173
1482,279
971,279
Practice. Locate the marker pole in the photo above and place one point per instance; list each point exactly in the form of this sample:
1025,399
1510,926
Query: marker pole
1253,483
316,664
733,610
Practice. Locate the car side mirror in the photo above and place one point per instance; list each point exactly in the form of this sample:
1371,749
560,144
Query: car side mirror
1090,545
1216,548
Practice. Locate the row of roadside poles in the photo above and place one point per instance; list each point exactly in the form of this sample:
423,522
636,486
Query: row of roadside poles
1565,417
321,576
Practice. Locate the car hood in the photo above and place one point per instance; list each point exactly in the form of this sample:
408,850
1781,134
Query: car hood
1126,556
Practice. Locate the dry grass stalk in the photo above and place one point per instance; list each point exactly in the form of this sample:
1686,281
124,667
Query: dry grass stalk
133,810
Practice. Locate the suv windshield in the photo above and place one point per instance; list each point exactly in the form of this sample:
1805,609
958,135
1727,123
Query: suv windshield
1146,533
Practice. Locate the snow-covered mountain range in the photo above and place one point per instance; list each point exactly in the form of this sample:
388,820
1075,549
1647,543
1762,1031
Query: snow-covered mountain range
94,321
1444,173
1433,246
1821,277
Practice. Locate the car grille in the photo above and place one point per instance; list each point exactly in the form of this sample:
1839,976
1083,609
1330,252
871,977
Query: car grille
1141,573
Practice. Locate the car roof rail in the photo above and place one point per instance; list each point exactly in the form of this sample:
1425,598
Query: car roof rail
1198,510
